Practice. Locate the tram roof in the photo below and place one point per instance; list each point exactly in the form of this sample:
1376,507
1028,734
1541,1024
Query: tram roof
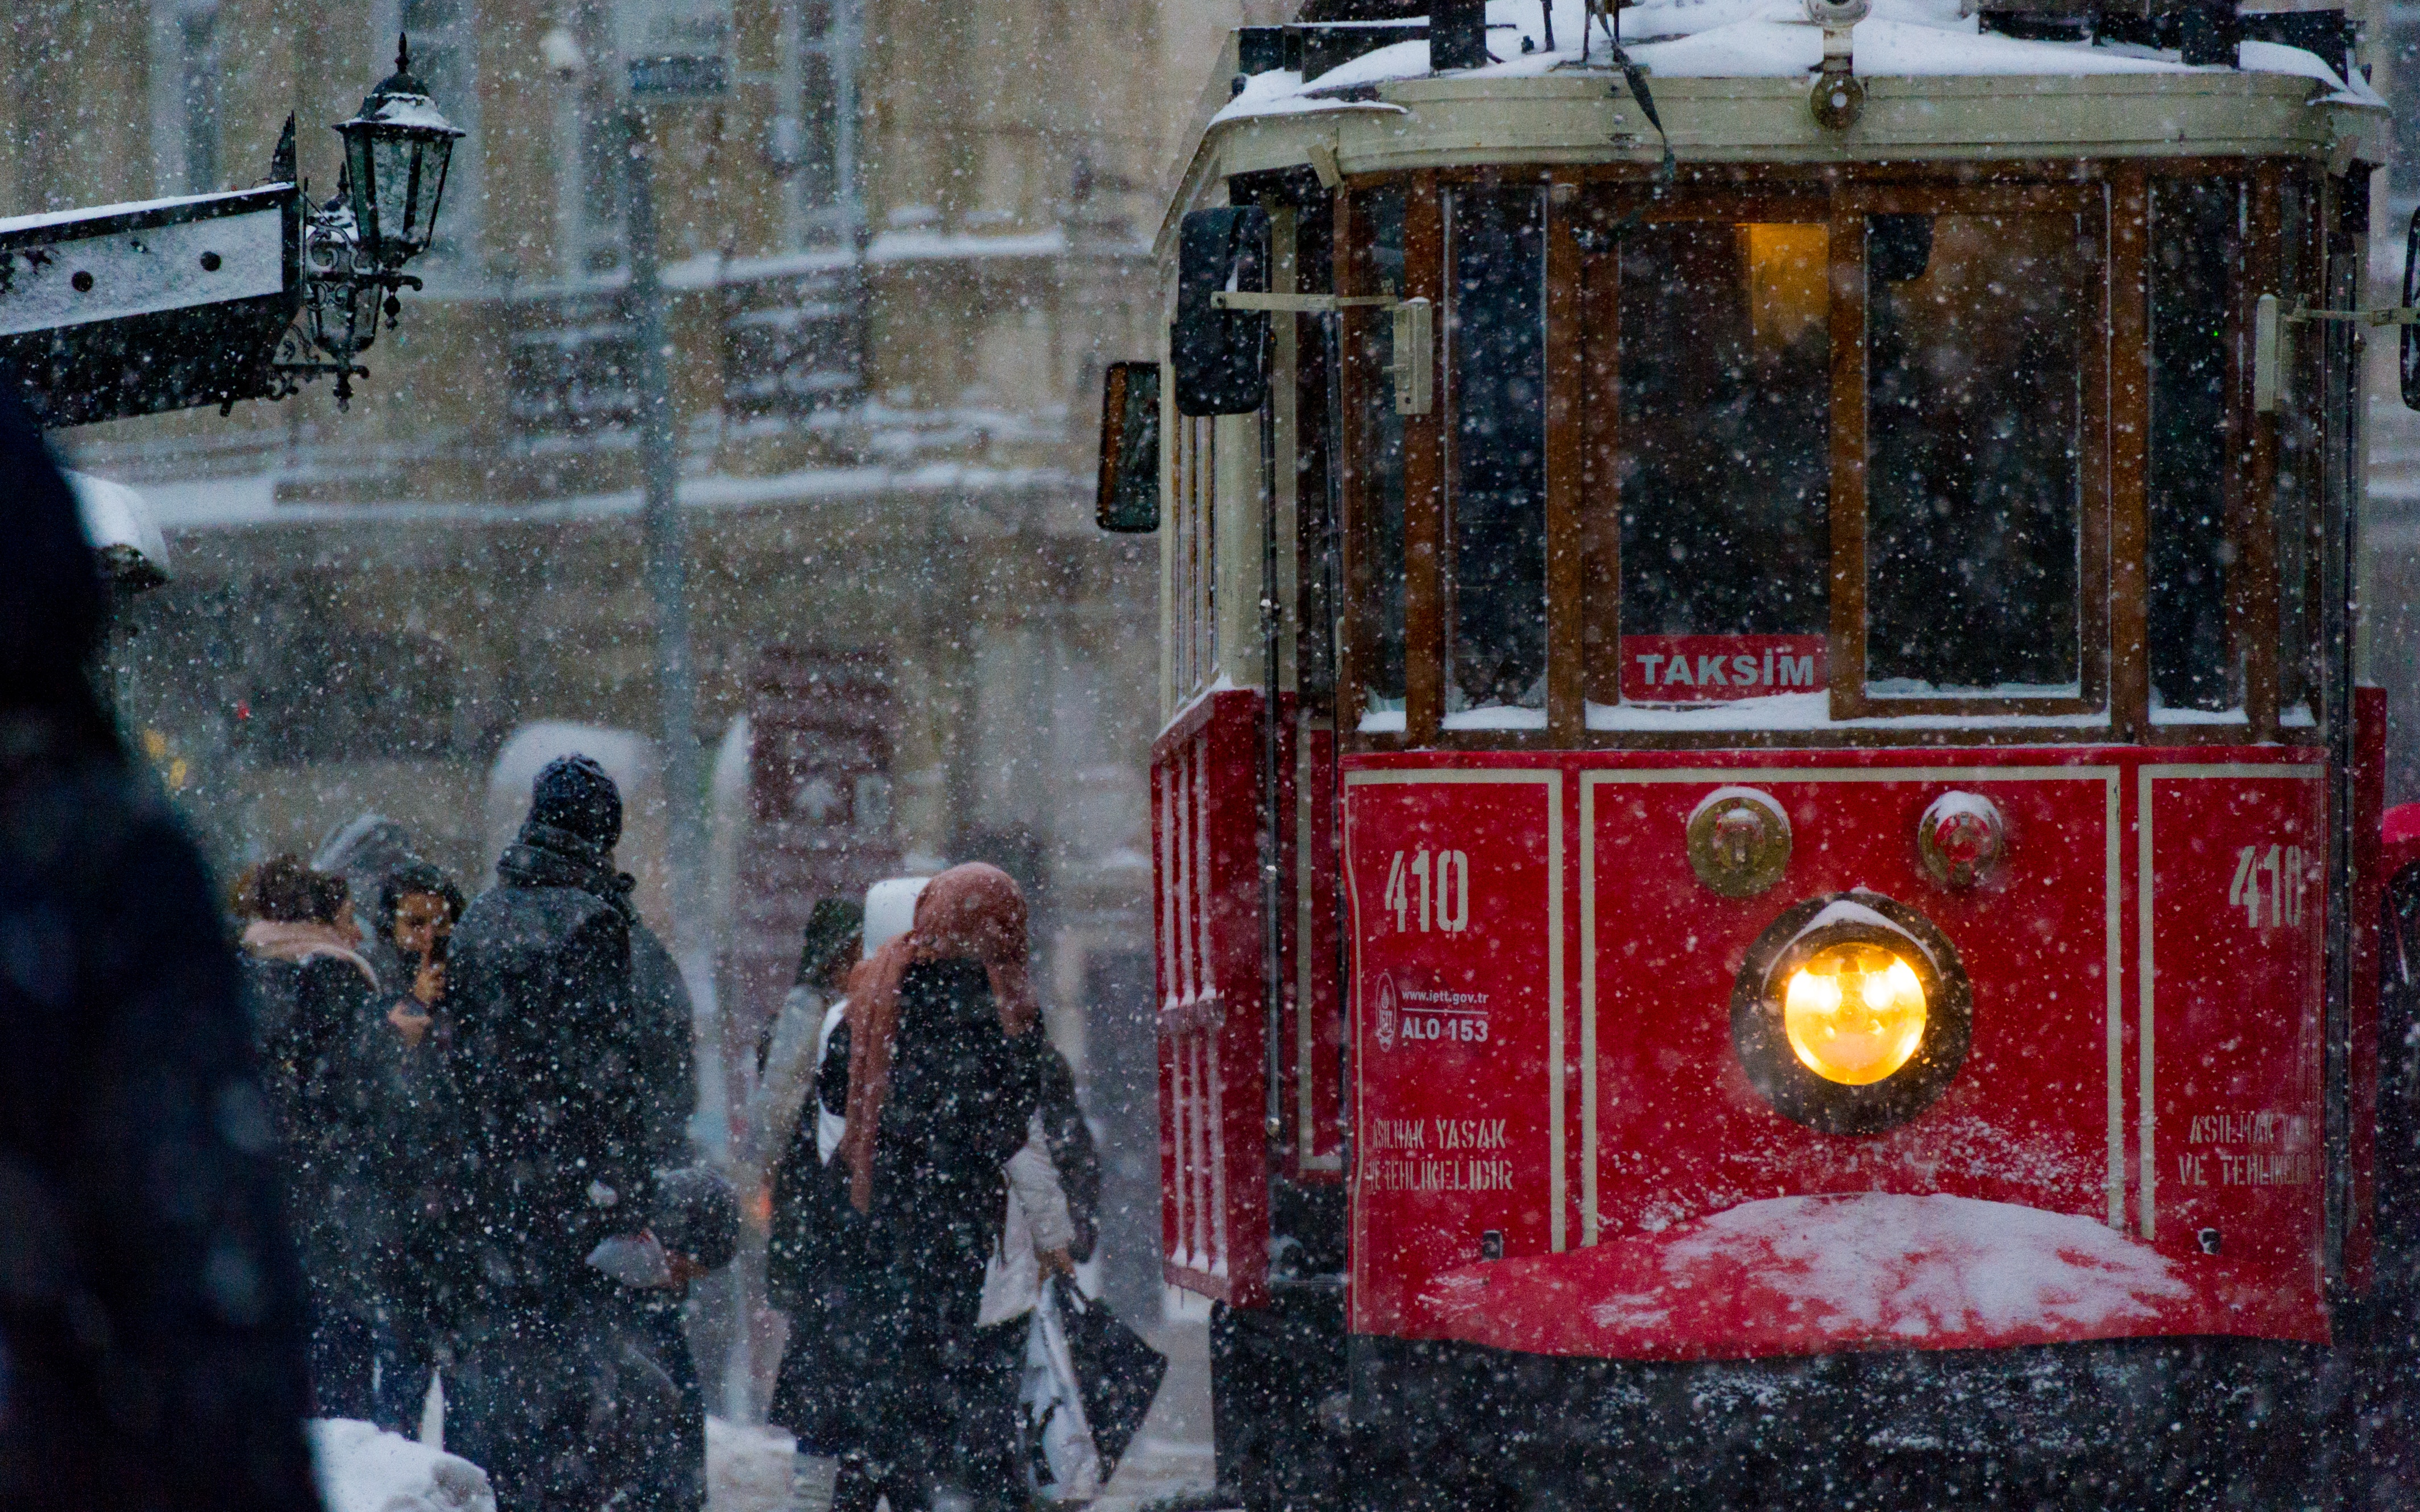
1730,80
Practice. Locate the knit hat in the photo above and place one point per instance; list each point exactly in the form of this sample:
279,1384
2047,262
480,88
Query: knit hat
573,793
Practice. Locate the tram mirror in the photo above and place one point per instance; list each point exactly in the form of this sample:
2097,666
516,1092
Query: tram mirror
1899,247
1129,498
1220,357
2410,353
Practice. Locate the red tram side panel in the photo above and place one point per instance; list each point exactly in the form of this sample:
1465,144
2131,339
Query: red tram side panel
2140,1105
1213,1177
1457,902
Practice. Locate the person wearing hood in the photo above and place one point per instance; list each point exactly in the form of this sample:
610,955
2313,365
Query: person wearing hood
317,992
944,1079
151,1320
557,1144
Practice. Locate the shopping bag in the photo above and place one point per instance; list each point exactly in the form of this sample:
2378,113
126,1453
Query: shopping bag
1116,1372
1061,1464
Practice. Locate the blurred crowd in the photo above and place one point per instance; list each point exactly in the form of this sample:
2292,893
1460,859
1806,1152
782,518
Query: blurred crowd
483,1112
367,1136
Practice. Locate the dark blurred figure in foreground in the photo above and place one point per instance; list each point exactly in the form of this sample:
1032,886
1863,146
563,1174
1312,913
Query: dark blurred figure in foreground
556,1119
151,1337
944,1079
404,1060
314,991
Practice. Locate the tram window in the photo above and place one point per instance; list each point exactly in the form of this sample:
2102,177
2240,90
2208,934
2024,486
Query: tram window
2196,247
1975,406
1379,485
1495,335
1725,469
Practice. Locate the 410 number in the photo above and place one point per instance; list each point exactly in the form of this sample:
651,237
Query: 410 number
1442,879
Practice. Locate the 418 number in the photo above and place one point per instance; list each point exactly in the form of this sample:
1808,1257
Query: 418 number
2268,882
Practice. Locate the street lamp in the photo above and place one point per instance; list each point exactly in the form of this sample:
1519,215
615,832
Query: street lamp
398,147
124,310
395,153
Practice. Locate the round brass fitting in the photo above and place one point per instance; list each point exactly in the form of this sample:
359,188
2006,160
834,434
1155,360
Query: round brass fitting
1739,841
1961,839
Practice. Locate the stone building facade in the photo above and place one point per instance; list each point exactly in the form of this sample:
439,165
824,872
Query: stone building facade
899,251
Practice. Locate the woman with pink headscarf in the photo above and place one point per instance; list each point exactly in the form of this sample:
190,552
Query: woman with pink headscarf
944,1078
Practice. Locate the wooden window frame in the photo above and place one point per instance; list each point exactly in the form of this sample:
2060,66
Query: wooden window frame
1583,447
1565,717
2250,466
1358,380
1851,205
1595,359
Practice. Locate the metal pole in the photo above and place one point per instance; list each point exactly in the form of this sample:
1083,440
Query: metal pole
667,577
1272,775
667,569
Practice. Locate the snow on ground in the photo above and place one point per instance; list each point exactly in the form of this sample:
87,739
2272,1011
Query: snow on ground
363,1470
747,1468
1170,1458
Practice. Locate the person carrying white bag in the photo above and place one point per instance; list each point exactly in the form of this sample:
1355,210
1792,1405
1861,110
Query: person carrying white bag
1033,1250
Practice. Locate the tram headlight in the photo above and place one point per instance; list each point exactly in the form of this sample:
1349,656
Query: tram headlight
1853,1012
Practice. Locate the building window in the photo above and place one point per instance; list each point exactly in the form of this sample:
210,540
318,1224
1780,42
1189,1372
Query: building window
602,156
185,90
815,136
592,148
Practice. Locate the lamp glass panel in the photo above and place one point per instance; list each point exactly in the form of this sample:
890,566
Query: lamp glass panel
398,226
358,179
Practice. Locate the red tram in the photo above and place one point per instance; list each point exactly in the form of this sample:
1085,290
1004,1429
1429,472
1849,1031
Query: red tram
1767,844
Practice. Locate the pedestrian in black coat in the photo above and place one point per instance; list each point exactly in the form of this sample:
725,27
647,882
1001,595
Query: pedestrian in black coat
151,1343
557,1150
317,994
944,1078
815,1253
405,1057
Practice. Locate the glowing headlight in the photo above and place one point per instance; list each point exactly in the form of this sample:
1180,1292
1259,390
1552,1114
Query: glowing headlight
1853,1012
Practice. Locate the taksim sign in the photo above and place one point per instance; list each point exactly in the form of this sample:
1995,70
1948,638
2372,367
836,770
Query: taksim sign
1691,668
675,48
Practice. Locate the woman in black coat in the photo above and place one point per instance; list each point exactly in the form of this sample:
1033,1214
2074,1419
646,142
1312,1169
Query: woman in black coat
317,994
944,1078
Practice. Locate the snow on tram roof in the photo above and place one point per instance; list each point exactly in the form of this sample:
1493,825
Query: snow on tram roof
1765,39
